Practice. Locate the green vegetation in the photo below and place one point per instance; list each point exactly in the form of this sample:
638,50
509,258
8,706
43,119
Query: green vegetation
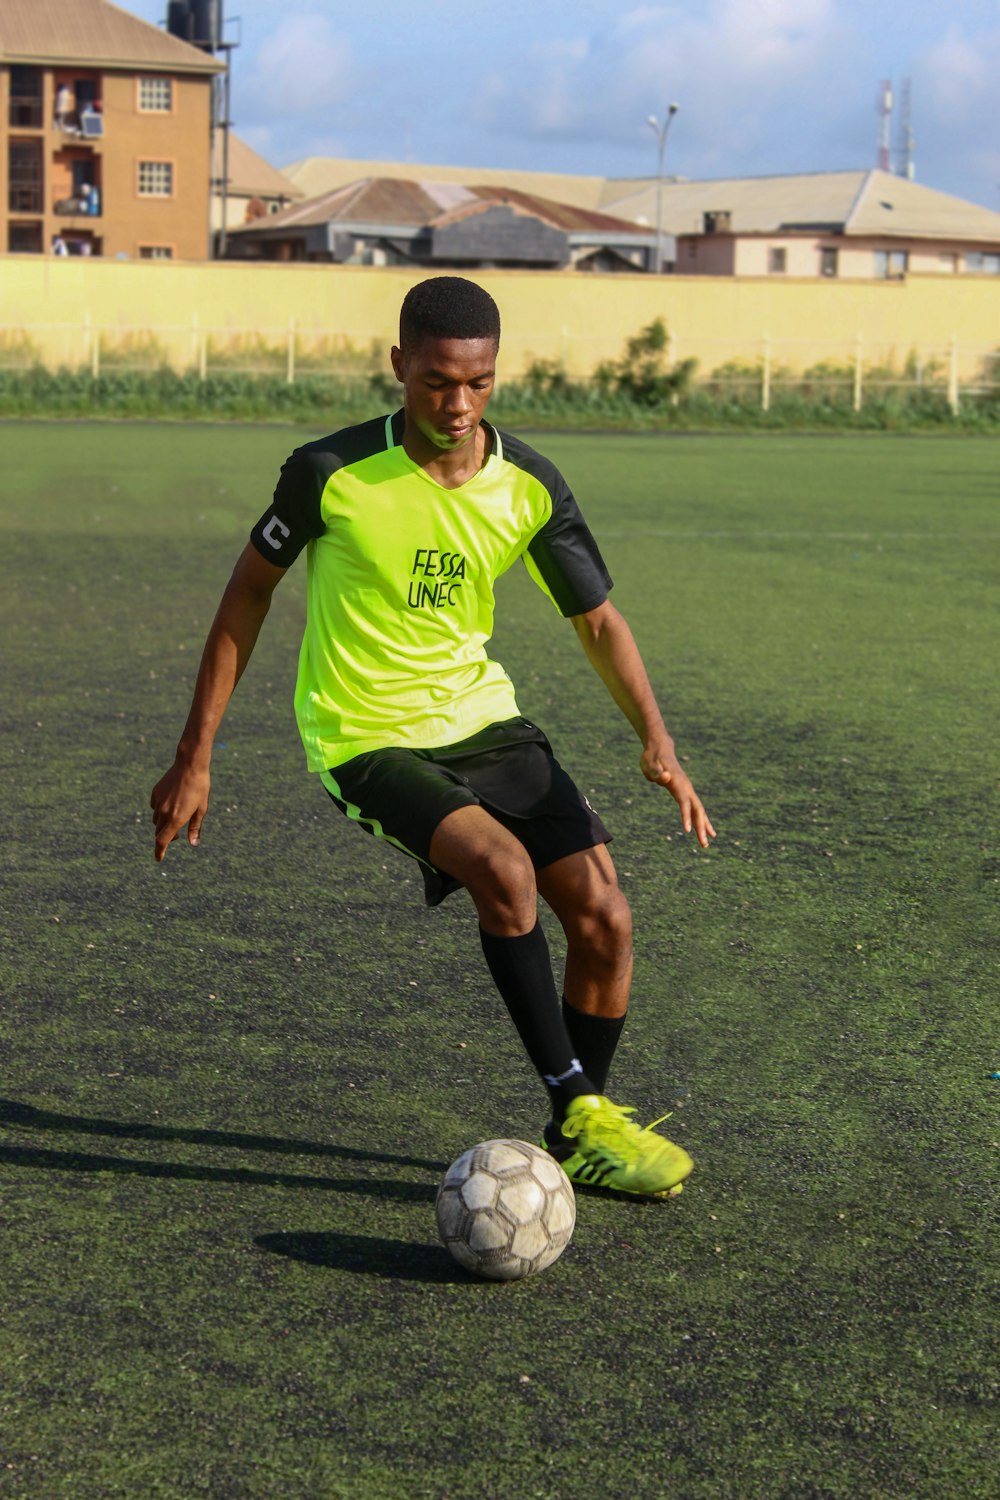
245,378
231,1083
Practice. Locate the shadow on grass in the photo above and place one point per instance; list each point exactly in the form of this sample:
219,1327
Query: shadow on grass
397,1259
85,1161
14,1113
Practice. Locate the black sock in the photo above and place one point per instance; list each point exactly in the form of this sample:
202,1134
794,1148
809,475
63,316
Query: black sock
594,1039
522,972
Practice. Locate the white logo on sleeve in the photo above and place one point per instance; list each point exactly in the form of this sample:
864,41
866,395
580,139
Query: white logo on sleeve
274,525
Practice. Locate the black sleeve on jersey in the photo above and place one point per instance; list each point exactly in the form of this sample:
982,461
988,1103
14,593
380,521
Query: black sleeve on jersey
294,516
563,550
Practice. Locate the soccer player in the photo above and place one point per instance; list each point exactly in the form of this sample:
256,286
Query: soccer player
407,521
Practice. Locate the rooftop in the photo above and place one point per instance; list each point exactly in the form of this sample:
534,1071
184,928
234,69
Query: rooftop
322,174
92,33
858,203
395,202
250,176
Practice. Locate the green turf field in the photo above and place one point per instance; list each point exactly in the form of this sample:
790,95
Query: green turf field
230,1084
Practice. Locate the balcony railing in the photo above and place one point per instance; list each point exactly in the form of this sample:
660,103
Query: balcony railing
86,204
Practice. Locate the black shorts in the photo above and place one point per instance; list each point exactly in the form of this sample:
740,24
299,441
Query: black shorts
402,795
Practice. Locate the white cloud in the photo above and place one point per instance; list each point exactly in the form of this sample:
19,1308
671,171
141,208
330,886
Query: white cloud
301,68
731,64
956,83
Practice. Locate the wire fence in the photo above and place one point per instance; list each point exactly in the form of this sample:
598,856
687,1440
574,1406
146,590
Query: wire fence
849,371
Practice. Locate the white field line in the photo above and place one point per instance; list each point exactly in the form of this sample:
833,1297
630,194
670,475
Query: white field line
677,534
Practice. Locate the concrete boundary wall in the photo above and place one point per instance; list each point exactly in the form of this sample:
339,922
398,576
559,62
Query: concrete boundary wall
188,313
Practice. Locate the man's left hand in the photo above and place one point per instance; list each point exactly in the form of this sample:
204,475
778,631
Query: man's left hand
662,767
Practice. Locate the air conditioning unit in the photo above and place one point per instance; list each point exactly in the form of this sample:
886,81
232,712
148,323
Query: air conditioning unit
720,221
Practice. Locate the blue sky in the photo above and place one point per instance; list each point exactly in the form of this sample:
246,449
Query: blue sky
764,86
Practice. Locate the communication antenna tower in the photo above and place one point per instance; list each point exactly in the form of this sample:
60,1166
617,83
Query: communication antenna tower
904,152
883,108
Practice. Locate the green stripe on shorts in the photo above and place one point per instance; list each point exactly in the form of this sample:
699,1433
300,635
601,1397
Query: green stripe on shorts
372,824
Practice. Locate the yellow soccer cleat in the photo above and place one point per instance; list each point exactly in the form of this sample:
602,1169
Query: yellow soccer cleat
602,1147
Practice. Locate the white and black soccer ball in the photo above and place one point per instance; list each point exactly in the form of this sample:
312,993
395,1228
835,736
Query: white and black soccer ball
505,1209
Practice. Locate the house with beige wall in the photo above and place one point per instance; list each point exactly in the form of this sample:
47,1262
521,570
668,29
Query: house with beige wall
863,225
105,134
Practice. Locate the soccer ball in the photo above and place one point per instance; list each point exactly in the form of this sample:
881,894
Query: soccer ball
505,1209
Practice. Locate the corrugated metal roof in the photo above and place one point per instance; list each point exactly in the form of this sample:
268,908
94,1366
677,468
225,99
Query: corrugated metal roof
322,174
890,205
393,201
756,204
374,200
851,203
92,33
562,215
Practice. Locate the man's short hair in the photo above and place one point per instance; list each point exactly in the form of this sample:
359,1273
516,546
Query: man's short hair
447,307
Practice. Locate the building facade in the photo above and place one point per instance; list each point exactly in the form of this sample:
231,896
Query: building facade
105,126
851,226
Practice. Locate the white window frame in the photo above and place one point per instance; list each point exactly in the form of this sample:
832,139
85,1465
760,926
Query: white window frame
159,179
161,88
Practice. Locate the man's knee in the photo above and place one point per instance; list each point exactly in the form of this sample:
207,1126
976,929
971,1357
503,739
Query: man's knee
501,882
602,923
492,865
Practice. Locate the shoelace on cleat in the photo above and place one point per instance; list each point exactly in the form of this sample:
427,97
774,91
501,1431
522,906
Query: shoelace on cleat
611,1121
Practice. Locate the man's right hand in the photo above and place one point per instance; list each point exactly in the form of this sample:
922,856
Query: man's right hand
179,798
182,795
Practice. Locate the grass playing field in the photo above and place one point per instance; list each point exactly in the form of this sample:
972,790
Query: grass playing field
231,1084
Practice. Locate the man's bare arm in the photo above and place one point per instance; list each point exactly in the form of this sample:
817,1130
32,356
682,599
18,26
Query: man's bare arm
181,796
614,655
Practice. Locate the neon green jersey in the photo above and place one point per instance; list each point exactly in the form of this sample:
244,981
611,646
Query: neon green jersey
400,584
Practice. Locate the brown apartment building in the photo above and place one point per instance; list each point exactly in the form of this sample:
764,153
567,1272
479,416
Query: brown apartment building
104,134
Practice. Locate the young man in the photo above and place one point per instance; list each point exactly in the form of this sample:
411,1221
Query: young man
407,521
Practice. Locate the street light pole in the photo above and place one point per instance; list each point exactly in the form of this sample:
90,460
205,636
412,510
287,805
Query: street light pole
660,131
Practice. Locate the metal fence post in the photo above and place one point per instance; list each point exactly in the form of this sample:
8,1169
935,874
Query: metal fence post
765,383
953,375
857,372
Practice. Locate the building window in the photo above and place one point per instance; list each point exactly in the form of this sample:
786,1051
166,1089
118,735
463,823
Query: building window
827,261
156,179
156,252
891,264
25,108
777,260
24,177
24,239
982,265
156,95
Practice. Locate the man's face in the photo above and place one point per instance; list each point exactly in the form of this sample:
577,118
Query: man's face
447,384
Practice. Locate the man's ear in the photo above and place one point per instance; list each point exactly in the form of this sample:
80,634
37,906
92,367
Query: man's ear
398,362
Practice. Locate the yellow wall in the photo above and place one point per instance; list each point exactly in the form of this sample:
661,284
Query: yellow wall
580,319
